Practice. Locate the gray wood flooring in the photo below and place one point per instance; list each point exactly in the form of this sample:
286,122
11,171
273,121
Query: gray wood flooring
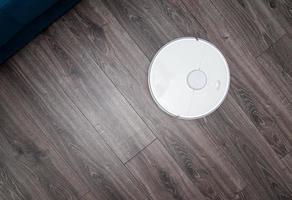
77,120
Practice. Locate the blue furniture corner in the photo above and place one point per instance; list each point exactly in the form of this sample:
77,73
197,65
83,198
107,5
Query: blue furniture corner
21,21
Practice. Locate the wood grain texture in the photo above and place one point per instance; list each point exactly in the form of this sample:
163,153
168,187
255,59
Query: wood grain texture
251,23
257,94
88,196
75,106
249,152
282,12
31,168
90,89
138,96
248,194
276,62
93,93
67,129
157,21
161,175
10,187
287,160
270,129
256,103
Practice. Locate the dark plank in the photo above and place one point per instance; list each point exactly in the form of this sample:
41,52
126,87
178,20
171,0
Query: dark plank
277,60
89,88
273,123
10,187
287,160
247,194
140,24
282,11
30,168
88,196
161,175
250,98
67,129
257,94
131,79
164,18
232,154
210,23
250,21
248,151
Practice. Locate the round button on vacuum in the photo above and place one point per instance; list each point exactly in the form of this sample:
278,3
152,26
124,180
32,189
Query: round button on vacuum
196,79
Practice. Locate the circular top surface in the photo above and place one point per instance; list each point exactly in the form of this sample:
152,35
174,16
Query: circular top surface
197,79
189,78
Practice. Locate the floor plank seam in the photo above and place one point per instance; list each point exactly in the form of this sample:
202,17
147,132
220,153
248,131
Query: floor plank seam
126,168
76,107
149,60
80,198
121,93
128,34
285,157
126,99
271,46
242,152
125,163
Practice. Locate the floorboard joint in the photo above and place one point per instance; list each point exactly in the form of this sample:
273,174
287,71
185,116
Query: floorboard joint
140,151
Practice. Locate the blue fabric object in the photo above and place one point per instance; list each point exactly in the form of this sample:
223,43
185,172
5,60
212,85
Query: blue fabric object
22,20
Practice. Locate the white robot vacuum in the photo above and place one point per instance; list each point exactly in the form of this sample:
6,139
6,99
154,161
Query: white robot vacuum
189,78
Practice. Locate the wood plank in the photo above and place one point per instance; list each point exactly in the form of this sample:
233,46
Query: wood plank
250,98
93,93
67,129
161,175
181,140
250,21
141,25
276,62
33,176
219,33
30,166
257,94
248,151
157,21
287,160
88,196
10,187
272,121
247,194
282,11
242,151
167,138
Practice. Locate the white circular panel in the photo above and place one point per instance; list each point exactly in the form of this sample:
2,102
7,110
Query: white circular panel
189,78
197,79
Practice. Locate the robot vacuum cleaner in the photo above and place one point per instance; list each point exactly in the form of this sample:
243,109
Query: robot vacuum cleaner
189,78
